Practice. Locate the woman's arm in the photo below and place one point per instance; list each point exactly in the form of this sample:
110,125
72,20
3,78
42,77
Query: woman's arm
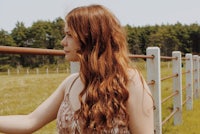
43,114
140,105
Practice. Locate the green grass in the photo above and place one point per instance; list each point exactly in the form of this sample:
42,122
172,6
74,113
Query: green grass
190,122
21,94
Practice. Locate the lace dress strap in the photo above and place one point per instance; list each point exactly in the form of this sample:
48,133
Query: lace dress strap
72,84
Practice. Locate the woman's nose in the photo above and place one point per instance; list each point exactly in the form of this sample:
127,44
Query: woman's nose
63,42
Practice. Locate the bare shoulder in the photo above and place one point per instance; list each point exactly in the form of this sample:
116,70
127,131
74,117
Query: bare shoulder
138,88
71,77
137,80
68,80
133,74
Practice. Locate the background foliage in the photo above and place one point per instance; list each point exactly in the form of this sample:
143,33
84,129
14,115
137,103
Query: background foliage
48,34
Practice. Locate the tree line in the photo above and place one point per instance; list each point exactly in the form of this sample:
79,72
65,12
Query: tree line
177,37
42,34
48,34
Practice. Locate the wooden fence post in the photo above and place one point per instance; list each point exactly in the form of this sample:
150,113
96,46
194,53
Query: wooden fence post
177,86
27,71
17,71
57,70
153,74
196,76
47,70
199,77
74,67
37,71
8,71
189,82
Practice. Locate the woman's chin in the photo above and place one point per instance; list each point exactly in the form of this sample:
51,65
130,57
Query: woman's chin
71,59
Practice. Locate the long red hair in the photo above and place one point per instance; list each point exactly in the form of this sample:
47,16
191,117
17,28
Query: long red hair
103,66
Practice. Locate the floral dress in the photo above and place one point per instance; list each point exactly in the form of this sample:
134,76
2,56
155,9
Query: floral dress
67,124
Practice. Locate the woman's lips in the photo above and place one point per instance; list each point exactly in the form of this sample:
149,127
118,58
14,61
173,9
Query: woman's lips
66,52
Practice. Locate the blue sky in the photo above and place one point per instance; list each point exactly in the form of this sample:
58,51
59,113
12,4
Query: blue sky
133,12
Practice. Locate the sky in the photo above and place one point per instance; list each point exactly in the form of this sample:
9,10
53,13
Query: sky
132,12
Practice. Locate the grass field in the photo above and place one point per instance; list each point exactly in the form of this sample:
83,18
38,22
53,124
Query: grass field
21,94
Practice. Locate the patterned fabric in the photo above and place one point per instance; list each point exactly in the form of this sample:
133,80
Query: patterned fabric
67,124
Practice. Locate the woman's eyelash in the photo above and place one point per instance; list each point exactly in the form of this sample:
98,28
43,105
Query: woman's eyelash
68,34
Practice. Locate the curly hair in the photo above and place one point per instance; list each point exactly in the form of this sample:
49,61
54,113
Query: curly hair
103,66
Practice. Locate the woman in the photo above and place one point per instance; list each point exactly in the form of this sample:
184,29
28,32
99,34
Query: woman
106,96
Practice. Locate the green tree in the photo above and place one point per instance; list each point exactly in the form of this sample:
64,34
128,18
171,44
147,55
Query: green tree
19,34
144,34
194,35
165,39
6,39
5,59
47,34
58,31
132,39
182,34
58,34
